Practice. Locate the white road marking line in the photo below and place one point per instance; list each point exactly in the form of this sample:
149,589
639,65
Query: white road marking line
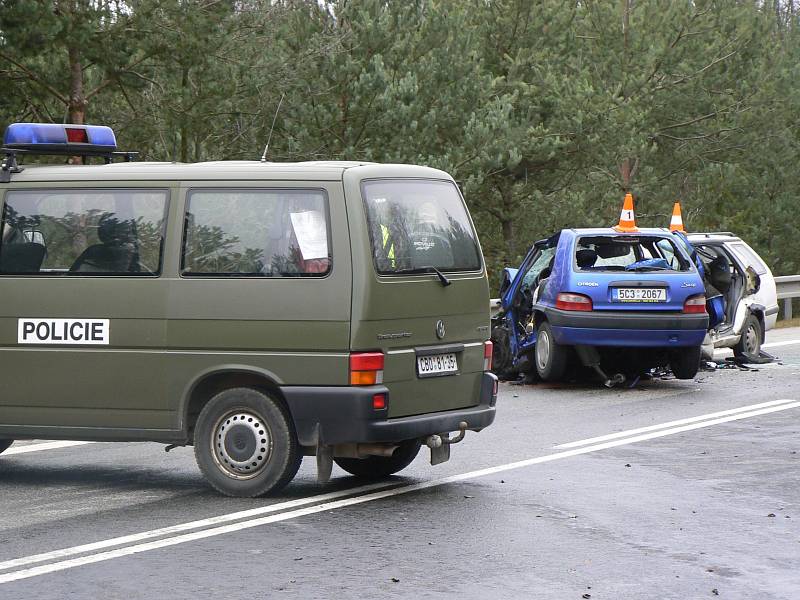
154,533
330,506
778,344
43,446
612,436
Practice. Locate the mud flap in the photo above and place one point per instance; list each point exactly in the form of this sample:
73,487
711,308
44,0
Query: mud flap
324,463
441,454
707,349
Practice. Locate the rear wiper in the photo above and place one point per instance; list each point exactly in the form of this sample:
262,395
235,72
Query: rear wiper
430,269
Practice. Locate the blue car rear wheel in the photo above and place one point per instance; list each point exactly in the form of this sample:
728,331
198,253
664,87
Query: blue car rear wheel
550,357
685,362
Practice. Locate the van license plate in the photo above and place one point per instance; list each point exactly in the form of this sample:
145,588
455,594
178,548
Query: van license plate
437,364
639,295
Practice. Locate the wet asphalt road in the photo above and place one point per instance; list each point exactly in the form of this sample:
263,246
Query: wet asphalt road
708,512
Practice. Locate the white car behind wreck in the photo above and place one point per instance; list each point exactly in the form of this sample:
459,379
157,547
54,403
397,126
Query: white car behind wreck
743,299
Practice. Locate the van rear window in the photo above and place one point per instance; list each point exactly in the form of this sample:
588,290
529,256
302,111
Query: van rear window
257,233
419,223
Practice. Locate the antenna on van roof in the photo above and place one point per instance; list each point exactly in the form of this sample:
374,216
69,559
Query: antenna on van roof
266,148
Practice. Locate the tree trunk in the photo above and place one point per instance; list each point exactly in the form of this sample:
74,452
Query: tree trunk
508,238
627,171
76,110
184,108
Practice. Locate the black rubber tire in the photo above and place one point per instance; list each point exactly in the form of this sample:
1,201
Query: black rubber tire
378,467
685,362
501,354
550,358
752,334
5,445
284,456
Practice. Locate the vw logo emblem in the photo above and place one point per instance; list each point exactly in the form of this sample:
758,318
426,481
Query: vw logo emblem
440,329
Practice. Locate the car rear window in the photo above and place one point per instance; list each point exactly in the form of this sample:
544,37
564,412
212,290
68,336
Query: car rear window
629,253
415,224
749,257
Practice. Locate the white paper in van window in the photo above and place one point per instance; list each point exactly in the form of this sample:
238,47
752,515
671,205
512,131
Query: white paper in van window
312,236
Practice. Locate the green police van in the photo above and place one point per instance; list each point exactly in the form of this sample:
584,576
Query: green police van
257,311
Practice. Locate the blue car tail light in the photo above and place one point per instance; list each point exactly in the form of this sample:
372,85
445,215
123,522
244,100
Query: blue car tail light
695,304
56,136
573,302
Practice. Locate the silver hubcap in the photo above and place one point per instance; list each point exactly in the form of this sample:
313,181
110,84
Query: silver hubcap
751,340
241,444
542,350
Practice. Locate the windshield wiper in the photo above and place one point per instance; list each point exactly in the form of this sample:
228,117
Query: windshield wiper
429,269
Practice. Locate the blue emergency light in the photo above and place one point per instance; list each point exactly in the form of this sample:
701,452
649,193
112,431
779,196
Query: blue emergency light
56,138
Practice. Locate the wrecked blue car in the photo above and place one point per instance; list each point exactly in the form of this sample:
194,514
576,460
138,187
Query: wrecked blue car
619,303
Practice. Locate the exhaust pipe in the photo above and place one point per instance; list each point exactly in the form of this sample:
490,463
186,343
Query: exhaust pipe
363,450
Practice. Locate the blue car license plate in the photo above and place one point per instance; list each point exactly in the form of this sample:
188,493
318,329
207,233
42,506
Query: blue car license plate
639,295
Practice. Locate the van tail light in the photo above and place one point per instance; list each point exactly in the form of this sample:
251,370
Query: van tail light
488,347
695,304
578,302
366,368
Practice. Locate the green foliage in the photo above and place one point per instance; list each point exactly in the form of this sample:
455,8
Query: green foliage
545,111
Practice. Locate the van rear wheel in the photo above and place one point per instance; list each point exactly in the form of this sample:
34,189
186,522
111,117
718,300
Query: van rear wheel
245,444
378,467
5,445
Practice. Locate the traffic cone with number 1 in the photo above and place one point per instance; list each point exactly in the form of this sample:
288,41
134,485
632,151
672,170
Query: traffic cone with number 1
676,223
627,219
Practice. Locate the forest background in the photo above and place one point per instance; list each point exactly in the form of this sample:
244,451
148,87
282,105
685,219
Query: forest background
545,111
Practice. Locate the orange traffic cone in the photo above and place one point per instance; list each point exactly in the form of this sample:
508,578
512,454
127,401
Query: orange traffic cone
627,219
676,223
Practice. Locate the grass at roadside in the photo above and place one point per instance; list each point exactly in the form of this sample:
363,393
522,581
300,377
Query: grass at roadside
789,323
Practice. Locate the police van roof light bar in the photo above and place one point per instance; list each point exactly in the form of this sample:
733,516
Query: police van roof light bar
60,138
57,139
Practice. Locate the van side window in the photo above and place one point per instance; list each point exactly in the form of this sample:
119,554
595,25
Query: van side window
257,233
83,232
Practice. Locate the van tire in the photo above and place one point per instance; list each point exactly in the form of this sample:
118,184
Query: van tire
685,362
5,445
550,358
244,415
750,340
378,467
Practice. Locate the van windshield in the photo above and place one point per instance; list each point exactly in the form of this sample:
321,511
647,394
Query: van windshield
629,253
415,224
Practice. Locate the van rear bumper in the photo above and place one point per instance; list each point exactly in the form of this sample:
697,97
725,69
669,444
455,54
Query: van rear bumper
341,415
